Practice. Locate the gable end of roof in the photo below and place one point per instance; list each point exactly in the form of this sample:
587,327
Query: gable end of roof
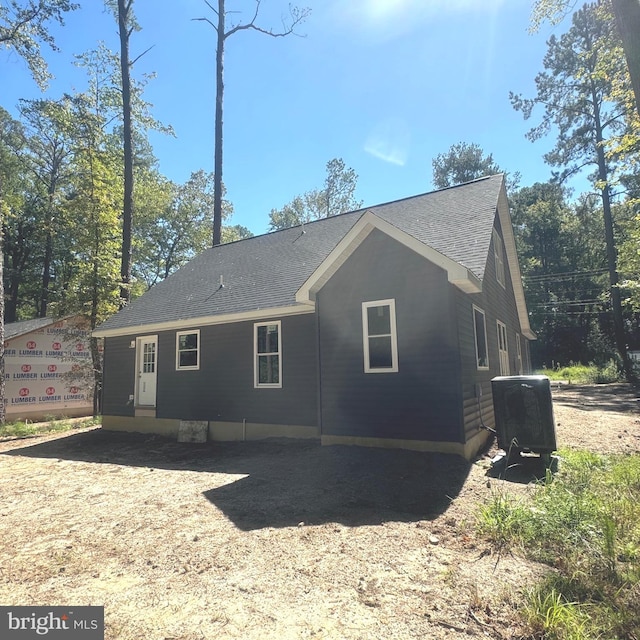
457,274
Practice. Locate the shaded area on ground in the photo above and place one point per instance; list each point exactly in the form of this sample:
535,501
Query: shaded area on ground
523,469
350,485
285,483
619,397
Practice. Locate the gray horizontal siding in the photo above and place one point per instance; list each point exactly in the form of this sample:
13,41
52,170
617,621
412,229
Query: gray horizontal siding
422,400
223,388
118,378
498,303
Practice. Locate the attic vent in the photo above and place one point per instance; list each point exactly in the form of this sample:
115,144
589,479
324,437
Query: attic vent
221,282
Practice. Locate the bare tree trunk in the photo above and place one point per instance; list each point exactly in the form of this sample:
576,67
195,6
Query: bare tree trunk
627,14
614,289
217,164
48,247
46,274
297,16
124,29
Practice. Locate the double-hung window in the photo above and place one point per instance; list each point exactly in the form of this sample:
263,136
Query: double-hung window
188,350
267,360
503,348
380,342
480,331
498,252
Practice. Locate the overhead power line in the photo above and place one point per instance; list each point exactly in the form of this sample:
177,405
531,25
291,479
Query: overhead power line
565,275
567,302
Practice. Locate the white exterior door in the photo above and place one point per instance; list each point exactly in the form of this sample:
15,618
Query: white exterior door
503,350
146,382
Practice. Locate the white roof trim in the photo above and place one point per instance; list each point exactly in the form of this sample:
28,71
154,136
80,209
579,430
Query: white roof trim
457,274
514,267
205,321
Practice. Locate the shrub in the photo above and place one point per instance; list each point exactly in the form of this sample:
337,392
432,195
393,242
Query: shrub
585,374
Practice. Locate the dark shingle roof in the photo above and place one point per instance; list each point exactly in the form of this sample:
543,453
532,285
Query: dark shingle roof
457,221
266,271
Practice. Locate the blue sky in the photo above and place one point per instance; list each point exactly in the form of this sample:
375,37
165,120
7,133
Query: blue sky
384,84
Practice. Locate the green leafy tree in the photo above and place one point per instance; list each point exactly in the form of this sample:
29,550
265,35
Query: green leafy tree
627,19
93,220
574,92
117,99
336,196
19,227
235,232
464,162
175,224
47,155
24,27
563,266
224,30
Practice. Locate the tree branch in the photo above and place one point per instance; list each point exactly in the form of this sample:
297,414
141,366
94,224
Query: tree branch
140,56
205,20
211,7
297,17
28,17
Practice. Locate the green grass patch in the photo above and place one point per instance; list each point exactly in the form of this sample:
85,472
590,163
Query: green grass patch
585,374
25,429
584,522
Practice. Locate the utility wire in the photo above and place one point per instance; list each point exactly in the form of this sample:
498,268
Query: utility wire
565,275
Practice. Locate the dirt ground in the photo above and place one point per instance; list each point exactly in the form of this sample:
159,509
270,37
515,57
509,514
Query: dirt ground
273,540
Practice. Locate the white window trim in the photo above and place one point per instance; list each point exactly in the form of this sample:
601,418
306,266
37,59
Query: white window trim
475,336
498,252
503,360
185,333
256,369
391,303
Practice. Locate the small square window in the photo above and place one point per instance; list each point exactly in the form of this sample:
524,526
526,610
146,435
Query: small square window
188,350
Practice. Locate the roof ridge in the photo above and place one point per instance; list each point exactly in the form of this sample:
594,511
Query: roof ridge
302,225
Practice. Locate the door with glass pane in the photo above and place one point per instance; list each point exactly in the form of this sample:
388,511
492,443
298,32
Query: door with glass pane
146,382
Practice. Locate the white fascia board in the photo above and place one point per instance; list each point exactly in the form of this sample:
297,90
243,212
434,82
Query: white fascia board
457,274
514,267
205,321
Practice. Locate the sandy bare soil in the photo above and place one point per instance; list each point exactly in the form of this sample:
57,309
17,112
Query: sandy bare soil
273,540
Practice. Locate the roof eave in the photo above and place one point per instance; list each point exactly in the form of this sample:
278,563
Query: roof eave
203,321
514,266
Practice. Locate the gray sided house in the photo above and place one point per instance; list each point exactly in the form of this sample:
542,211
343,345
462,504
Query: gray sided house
379,327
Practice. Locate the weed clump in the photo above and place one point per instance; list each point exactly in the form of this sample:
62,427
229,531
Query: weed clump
585,523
